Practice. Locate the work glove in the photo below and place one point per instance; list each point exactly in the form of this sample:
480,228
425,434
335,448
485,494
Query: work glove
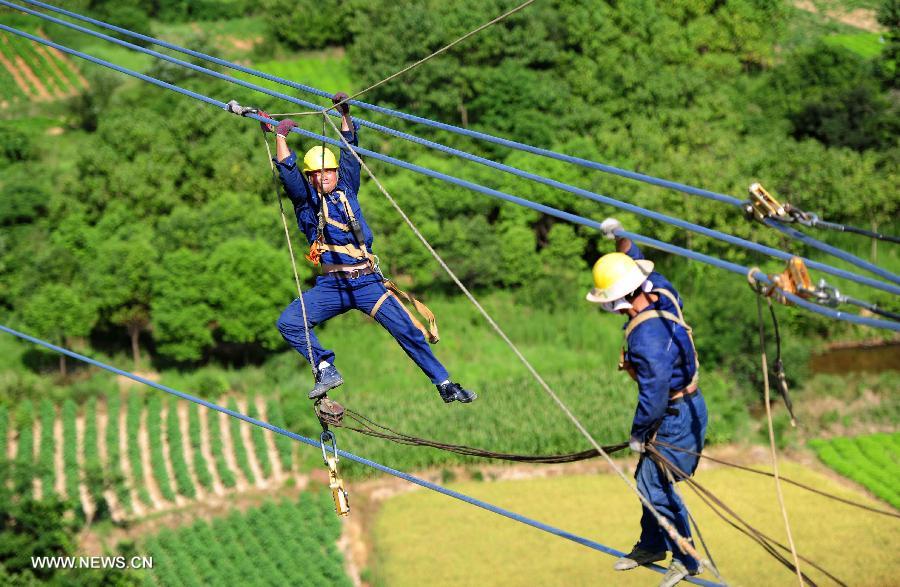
609,227
344,108
284,127
636,444
265,125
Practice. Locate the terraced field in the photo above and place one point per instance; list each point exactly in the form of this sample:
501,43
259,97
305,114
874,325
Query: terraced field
33,72
134,453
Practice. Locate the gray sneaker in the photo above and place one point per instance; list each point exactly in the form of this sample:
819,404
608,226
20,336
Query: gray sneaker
677,571
637,557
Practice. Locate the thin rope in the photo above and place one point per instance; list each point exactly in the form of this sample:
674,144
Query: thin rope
765,372
344,454
287,237
436,53
663,522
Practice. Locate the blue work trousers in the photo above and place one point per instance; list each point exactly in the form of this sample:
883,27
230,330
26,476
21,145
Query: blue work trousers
332,296
685,430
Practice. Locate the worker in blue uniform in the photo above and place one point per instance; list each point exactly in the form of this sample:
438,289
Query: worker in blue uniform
660,356
325,199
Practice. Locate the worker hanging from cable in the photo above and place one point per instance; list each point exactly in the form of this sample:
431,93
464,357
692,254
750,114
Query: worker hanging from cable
326,202
660,356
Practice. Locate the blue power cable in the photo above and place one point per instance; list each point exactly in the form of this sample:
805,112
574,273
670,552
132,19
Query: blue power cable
506,168
349,456
789,231
473,186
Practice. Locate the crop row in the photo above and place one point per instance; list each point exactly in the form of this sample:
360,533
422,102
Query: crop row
872,461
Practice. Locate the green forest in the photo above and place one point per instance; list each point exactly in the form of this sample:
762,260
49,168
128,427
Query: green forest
141,228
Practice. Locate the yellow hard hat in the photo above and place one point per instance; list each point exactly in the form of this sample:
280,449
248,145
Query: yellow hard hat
616,275
312,161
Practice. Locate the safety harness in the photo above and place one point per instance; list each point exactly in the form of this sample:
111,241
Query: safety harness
368,264
628,367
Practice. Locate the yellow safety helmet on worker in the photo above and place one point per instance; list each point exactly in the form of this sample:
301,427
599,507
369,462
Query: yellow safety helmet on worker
616,275
314,159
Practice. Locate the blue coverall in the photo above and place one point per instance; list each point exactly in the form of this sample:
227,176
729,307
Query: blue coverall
335,295
663,358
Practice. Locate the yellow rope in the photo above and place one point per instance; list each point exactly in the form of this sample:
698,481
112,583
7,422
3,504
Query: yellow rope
765,370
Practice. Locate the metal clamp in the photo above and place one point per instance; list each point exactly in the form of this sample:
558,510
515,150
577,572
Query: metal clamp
762,205
235,108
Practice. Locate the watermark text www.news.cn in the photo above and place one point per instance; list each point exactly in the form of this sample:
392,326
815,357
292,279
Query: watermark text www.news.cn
91,562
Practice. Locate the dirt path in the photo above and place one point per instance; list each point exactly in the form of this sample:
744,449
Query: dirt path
861,18
12,440
59,465
184,425
84,496
228,449
64,91
277,471
164,415
64,59
14,72
149,480
137,507
42,93
206,449
247,439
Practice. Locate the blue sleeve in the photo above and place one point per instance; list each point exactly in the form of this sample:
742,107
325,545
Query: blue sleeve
295,183
349,167
634,252
654,372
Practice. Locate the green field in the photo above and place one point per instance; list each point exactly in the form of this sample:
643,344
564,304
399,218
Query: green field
287,543
418,532
864,44
872,461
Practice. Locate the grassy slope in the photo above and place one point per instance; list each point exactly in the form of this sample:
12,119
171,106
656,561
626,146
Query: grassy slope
488,549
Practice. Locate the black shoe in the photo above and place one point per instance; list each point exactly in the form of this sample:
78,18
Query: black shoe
454,392
326,379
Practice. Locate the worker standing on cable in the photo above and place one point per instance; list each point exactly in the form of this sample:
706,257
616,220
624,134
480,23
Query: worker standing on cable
660,356
326,202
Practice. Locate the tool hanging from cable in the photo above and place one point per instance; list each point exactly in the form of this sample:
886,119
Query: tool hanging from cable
335,483
762,206
795,279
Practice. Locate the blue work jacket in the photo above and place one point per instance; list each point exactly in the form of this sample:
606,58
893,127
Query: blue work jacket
662,355
306,201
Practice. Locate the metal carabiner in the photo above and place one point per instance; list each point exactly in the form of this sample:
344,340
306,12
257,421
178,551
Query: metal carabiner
327,436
